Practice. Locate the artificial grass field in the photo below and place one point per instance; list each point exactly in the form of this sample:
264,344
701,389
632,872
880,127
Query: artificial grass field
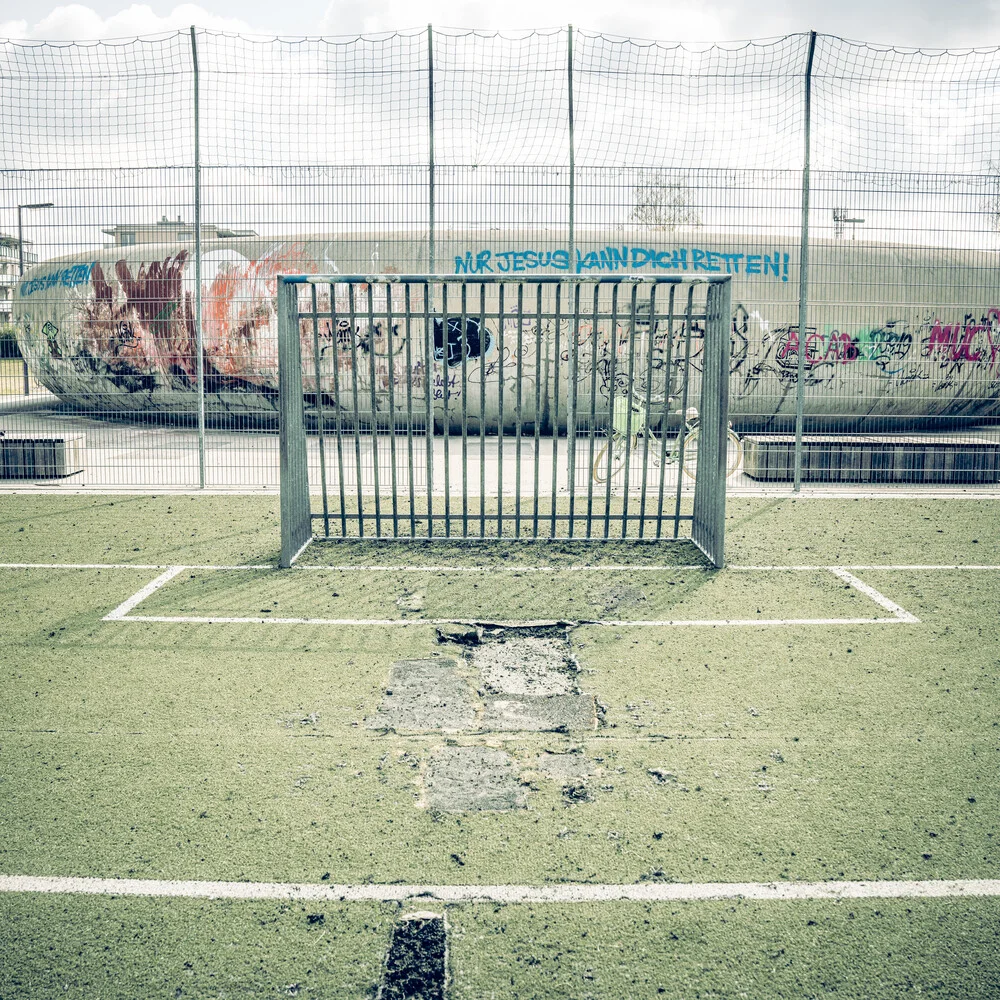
240,752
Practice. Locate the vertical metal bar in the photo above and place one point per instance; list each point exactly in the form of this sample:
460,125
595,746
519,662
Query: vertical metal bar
612,378
685,385
647,417
540,369
372,375
572,145
482,411
800,385
465,412
668,393
500,380
431,179
709,523
518,412
429,401
296,519
335,335
409,407
199,332
594,361
630,376
319,412
352,314
554,421
446,418
391,422
574,350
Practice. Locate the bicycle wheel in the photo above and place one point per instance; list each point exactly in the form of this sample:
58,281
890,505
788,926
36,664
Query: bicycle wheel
603,469
734,452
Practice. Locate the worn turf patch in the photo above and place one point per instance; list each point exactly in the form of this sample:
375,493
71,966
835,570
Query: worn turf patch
416,964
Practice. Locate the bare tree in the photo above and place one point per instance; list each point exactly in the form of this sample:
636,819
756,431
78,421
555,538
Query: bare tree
664,201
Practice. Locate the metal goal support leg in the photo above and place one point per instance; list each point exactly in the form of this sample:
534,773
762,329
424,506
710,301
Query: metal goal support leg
296,520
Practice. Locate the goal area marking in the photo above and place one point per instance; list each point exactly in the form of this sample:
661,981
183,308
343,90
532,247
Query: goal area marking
897,614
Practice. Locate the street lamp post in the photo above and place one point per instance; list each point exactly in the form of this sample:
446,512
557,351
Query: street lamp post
20,269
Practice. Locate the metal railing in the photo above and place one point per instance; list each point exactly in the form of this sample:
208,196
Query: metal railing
499,407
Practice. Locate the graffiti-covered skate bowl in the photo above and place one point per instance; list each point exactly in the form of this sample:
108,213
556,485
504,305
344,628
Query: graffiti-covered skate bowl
898,336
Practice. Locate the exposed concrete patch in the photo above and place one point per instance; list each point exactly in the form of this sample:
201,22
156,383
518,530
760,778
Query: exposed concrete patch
473,779
415,966
567,767
425,695
539,713
526,665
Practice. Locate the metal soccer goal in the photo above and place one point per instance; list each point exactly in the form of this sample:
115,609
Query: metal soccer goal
503,407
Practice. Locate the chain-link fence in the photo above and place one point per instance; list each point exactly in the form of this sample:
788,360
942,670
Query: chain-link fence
154,189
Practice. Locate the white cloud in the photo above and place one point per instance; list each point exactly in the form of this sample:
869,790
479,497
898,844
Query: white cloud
76,22
674,19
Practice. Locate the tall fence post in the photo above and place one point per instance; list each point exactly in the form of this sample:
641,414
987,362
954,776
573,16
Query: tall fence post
431,249
199,333
800,385
572,148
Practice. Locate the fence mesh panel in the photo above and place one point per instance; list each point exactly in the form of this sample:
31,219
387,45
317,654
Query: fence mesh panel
150,345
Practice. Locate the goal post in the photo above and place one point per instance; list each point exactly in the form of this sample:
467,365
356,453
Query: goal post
294,507
503,406
708,527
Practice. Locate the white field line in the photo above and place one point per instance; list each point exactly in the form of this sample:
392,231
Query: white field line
346,568
511,623
126,566
125,607
571,893
880,599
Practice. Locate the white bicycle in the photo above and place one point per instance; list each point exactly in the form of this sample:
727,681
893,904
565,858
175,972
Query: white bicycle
623,440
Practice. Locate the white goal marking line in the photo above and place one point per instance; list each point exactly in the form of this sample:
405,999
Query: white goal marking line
122,612
567,893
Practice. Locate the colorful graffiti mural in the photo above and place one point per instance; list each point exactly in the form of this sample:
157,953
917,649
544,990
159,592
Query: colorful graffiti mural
116,331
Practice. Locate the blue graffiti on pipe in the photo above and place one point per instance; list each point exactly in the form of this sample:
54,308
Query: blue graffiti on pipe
68,277
625,258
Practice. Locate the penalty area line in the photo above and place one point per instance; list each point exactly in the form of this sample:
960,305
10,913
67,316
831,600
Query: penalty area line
567,893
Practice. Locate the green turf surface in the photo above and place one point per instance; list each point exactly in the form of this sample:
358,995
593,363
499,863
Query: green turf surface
124,948
734,950
240,752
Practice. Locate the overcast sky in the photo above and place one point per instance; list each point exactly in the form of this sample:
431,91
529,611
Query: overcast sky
927,23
